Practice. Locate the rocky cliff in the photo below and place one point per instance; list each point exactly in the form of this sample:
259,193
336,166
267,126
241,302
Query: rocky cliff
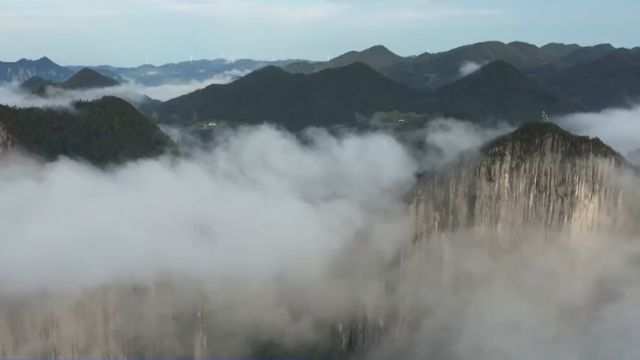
6,140
535,191
539,176
118,321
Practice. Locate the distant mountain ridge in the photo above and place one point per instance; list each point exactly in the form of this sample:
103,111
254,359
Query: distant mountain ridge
487,81
609,81
84,79
343,95
24,69
295,101
376,57
429,71
499,91
186,71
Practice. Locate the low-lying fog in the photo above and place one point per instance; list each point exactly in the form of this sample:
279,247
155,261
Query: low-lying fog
280,233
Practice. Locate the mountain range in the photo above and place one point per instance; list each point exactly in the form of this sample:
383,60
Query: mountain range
538,193
295,101
433,70
83,79
186,71
484,82
343,95
24,69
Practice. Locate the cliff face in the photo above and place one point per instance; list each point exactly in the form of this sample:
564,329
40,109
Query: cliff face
538,188
110,322
6,140
536,177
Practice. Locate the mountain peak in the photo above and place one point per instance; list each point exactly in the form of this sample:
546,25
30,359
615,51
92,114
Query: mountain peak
45,60
500,91
378,49
37,85
88,78
531,136
267,73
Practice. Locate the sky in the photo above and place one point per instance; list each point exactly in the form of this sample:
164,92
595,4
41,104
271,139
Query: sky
131,32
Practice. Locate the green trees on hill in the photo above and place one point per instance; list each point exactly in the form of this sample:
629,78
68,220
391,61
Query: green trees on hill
105,131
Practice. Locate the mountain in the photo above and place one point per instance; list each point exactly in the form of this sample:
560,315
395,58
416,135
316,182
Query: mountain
538,187
499,91
37,85
538,176
105,131
87,79
609,81
24,69
585,54
559,49
295,101
84,79
377,57
186,71
430,71
340,96
570,56
102,70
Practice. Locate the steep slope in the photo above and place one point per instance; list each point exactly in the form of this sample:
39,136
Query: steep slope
295,101
610,81
24,69
538,177
377,57
87,79
498,91
102,132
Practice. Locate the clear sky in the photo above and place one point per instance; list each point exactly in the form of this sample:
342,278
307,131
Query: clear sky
130,32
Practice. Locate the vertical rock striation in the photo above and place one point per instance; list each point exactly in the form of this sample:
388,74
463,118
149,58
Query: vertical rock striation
539,176
6,140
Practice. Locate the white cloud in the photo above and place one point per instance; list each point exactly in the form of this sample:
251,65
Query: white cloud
619,128
13,95
260,204
469,67
446,139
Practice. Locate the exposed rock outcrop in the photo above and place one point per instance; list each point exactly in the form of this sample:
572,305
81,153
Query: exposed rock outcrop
539,176
119,321
6,139
536,189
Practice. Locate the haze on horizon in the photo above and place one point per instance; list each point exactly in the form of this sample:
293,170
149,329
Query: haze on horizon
133,32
